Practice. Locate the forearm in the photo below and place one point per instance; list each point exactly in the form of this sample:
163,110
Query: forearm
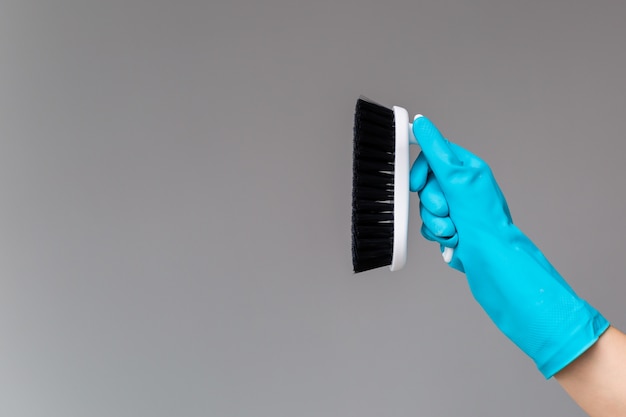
597,379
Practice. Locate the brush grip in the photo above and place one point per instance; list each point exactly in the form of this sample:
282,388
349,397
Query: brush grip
447,254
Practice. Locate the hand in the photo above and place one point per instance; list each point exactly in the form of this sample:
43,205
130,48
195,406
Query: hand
462,207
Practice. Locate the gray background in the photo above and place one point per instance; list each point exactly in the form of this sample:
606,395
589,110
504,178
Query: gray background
175,184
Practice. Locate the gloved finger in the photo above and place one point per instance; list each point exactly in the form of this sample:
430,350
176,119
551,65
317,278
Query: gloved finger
419,173
440,156
449,242
439,226
432,197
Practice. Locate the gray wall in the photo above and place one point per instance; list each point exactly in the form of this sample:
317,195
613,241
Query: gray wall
175,187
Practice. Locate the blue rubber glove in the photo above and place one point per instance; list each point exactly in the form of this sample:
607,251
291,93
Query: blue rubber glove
462,207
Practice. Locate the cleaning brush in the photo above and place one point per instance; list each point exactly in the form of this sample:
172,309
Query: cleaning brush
380,186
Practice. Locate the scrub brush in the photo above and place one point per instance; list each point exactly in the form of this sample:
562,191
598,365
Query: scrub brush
380,186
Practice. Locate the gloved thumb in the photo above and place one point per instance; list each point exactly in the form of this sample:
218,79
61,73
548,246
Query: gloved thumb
436,149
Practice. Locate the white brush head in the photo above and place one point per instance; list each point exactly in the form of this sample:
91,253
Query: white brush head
401,189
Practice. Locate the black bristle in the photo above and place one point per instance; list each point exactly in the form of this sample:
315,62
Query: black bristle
372,186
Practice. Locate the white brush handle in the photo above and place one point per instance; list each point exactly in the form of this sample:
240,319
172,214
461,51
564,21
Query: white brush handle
412,139
447,253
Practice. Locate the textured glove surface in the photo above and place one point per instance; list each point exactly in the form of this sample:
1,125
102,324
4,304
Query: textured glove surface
462,207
